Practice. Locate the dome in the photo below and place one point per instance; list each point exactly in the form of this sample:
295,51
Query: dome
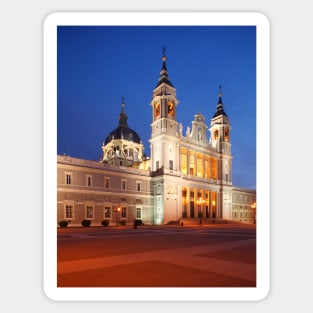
123,132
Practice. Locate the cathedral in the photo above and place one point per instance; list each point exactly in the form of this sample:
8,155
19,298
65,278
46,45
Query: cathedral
186,180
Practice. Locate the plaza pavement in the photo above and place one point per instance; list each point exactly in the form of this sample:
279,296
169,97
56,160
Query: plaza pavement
152,256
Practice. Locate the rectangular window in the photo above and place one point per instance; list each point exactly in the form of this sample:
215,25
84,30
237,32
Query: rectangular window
138,186
89,212
68,179
200,165
106,183
214,168
171,165
138,213
123,185
68,211
157,165
192,163
124,212
184,161
207,167
107,212
89,181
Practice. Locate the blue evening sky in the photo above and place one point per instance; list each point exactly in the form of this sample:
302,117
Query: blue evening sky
99,65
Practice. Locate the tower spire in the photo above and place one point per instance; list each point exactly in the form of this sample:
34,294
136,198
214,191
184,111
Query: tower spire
219,108
164,78
123,116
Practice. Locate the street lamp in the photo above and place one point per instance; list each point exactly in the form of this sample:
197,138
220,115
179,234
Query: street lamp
253,207
200,203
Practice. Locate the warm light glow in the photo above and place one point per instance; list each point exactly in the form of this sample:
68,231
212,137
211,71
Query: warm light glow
253,205
213,202
170,109
200,201
214,166
183,160
157,109
200,165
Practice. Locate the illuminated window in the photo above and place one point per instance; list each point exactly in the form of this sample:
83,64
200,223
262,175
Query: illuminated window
226,135
200,165
107,212
216,134
191,163
170,108
89,211
213,168
207,167
157,109
184,161
69,211
138,212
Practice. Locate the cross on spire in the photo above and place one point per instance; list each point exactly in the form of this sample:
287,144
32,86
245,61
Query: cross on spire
163,51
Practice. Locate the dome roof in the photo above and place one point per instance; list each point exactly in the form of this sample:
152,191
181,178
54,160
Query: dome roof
122,131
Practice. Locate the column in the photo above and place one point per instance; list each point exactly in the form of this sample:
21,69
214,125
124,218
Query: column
210,204
177,165
196,164
188,201
218,203
188,169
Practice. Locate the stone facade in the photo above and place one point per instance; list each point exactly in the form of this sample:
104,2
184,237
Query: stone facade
188,177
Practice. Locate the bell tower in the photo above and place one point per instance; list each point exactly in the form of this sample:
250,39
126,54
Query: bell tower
164,124
220,128
220,140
